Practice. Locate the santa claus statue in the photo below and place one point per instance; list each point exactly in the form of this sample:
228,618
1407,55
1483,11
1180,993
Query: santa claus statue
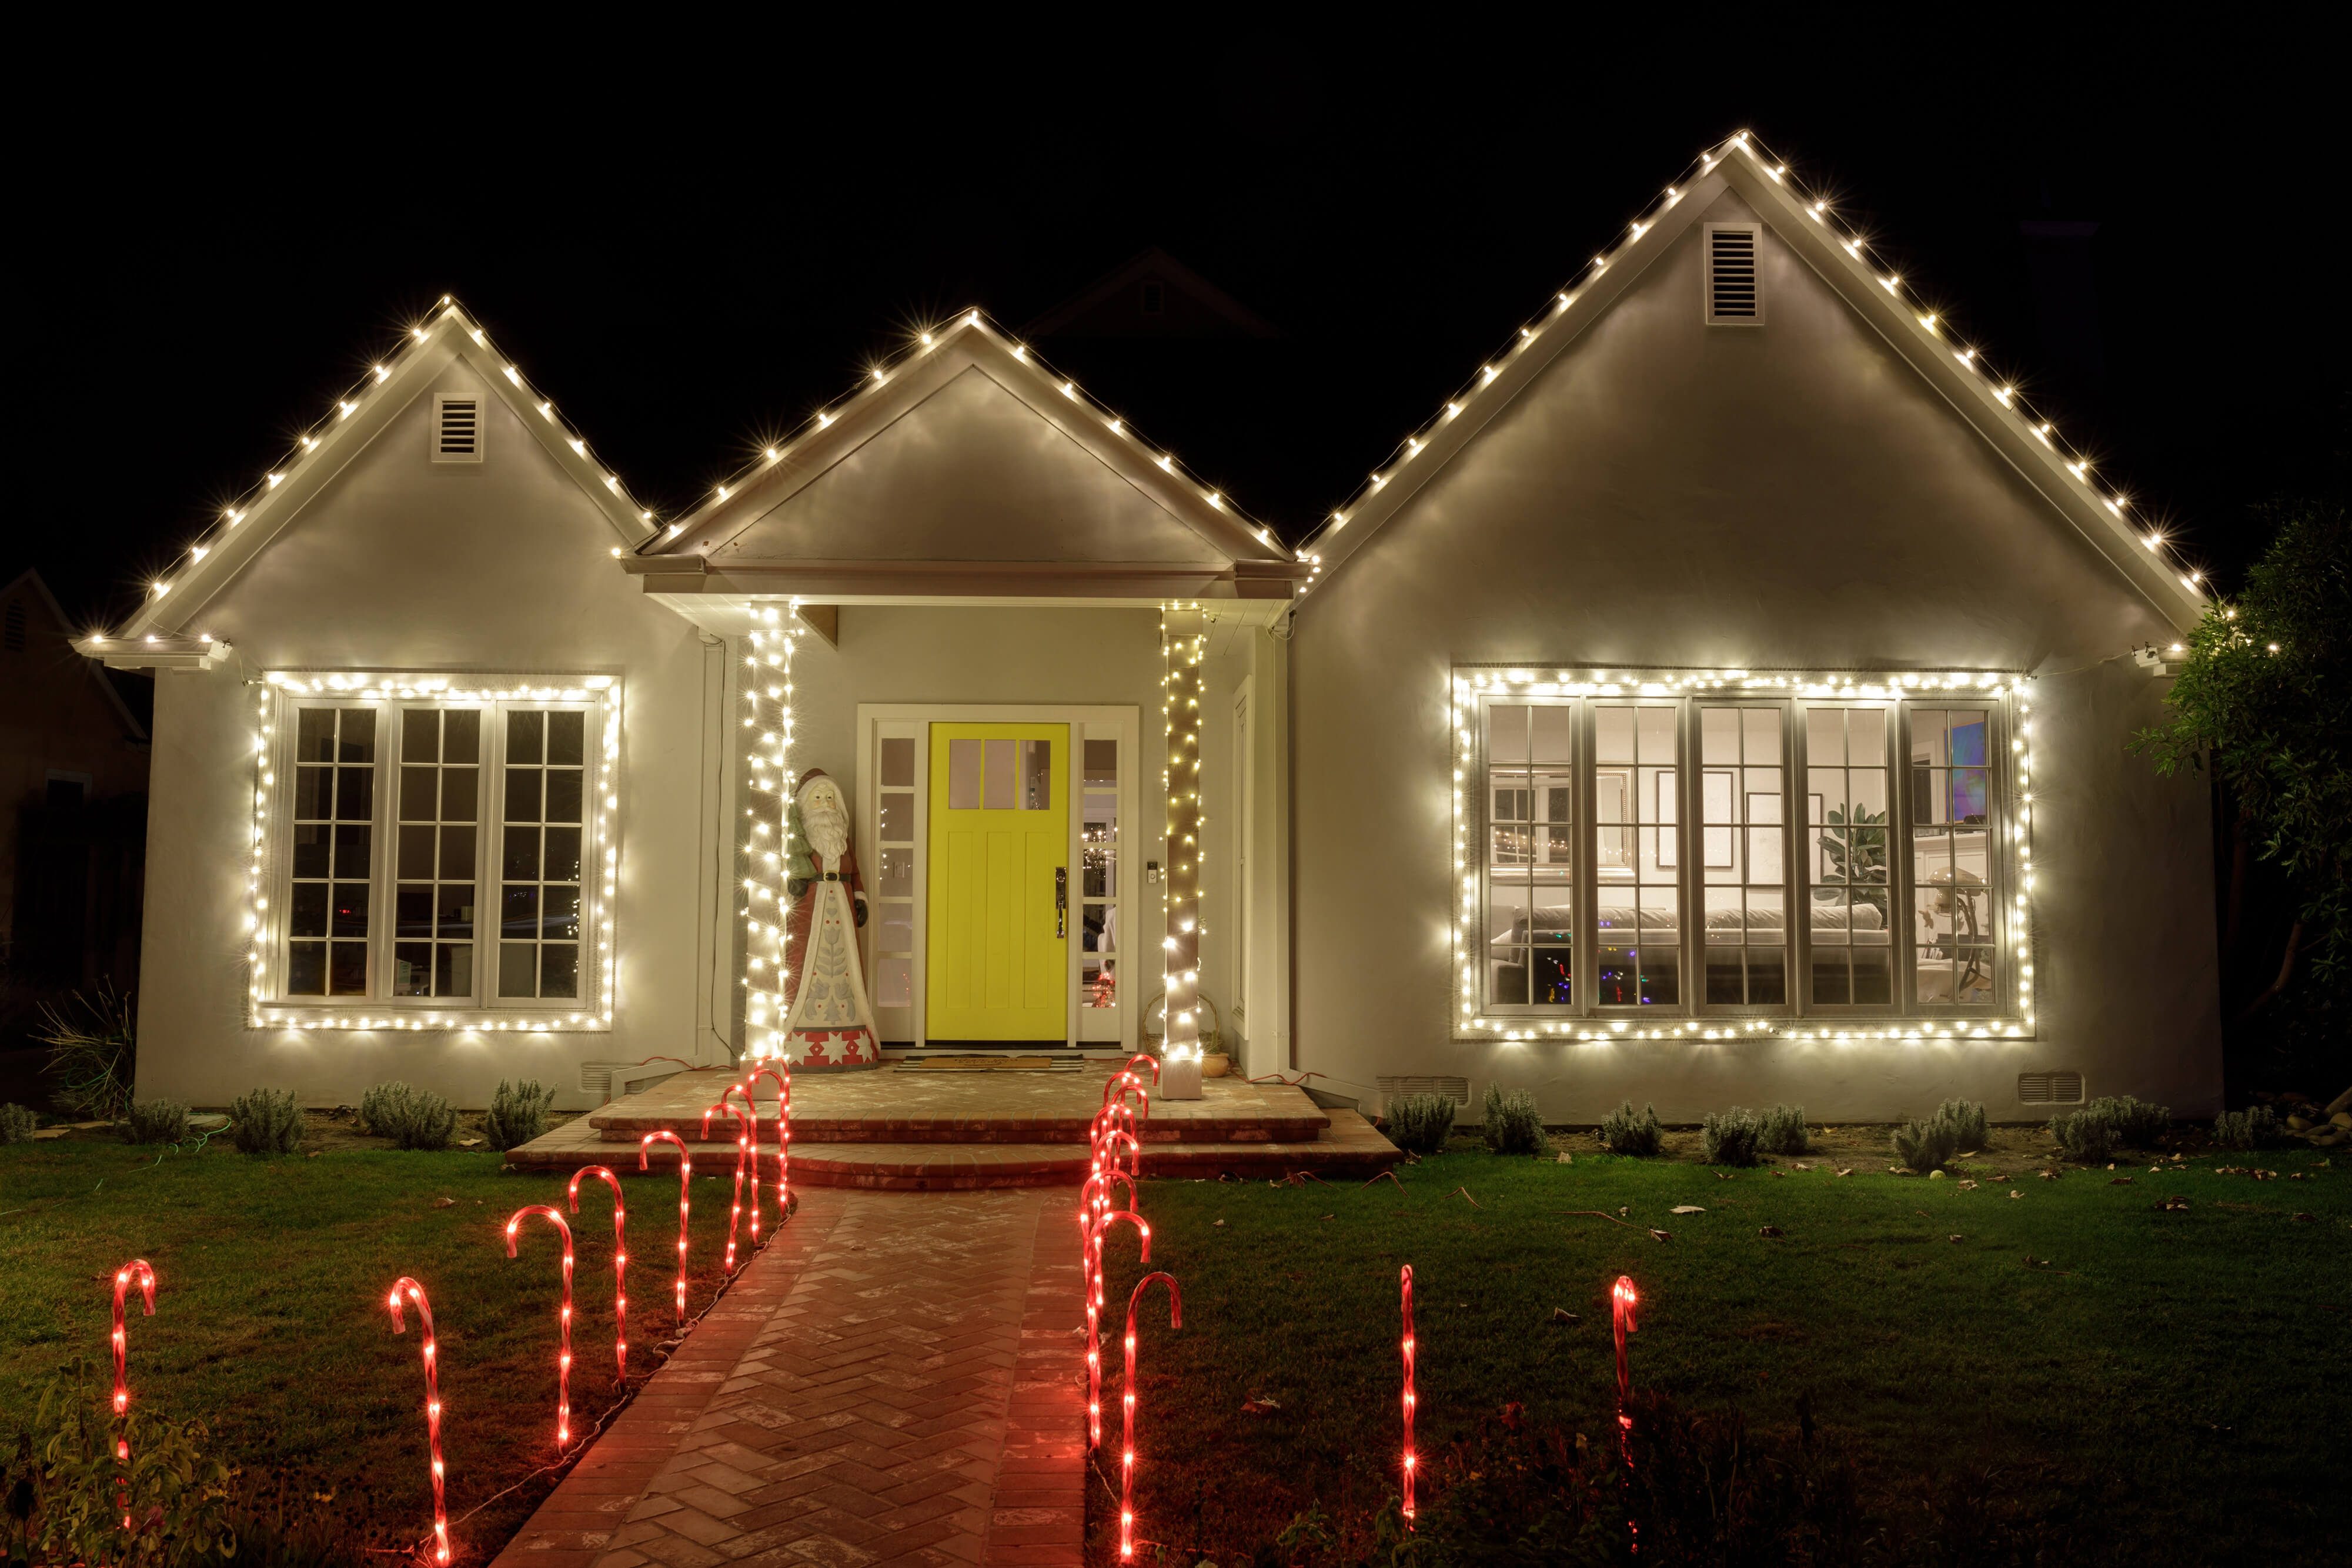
828,1022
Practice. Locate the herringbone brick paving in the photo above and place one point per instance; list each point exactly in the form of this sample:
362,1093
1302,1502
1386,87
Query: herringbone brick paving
894,1380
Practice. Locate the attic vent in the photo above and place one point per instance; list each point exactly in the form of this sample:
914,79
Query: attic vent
1454,1089
12,630
1155,296
1733,298
457,430
2049,1088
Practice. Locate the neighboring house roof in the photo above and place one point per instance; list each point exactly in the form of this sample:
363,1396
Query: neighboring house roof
31,577
1114,305
1844,260
159,634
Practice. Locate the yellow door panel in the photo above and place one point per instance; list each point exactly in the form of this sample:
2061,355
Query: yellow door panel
1000,895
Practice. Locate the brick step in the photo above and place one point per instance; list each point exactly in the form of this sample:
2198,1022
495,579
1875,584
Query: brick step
1300,1129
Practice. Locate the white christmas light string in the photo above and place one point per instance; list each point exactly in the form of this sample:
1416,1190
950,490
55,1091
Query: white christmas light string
767,684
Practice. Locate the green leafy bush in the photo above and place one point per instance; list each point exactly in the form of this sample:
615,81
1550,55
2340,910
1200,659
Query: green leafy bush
1513,1125
1967,1120
156,1122
518,1114
1730,1138
1623,1132
93,1051
17,1124
2086,1134
1926,1146
1419,1122
63,1481
266,1122
1782,1131
411,1118
2255,1127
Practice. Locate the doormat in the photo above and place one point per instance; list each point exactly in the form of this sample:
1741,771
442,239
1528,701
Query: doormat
984,1064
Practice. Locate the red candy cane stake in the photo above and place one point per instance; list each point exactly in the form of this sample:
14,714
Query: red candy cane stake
1126,1450
1412,1460
1094,1314
736,1213
620,1262
747,1141
404,1286
1150,1061
1134,1153
783,1074
1622,1301
685,1176
1094,1202
563,1351
140,1269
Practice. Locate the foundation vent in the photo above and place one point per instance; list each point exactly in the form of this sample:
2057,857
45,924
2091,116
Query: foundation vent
1733,298
2049,1088
457,430
1454,1089
596,1078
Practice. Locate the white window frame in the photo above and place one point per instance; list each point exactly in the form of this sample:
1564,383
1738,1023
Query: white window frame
2003,697
281,692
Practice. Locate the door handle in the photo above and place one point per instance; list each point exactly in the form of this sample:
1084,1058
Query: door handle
1061,901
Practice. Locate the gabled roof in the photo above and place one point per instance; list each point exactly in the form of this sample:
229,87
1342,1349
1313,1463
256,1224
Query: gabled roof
159,632
1845,261
40,585
935,358
1091,313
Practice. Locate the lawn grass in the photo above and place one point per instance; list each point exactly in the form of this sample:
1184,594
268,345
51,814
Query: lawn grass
271,1324
2167,1370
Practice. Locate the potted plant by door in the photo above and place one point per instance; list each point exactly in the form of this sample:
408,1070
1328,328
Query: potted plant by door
1214,1061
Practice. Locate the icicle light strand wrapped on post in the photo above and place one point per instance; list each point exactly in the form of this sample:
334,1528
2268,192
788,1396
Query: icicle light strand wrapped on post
1183,639
620,1263
431,1351
735,1213
137,1269
1127,1398
779,1071
767,685
685,1199
1412,1460
1095,1233
564,1317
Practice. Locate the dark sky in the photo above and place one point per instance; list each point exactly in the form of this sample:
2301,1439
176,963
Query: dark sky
691,243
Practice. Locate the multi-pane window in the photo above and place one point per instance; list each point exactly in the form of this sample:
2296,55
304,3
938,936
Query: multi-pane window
538,872
893,882
1846,835
1735,854
433,848
327,925
1098,876
1951,855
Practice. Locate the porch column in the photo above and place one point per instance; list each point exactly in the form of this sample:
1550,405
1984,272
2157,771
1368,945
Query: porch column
1184,635
767,684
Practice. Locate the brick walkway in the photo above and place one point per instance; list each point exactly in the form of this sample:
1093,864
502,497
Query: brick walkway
894,1380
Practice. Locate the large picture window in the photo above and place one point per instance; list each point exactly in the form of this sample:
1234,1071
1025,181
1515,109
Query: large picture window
435,862
1727,847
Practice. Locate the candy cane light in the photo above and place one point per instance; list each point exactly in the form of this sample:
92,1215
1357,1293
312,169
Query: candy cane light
685,1192
1412,1460
1094,1202
1622,1301
1126,1396
140,1270
563,1351
1094,1311
406,1287
743,1142
620,1262
747,1143
781,1070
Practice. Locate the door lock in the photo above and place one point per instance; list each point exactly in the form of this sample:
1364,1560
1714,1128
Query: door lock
1061,900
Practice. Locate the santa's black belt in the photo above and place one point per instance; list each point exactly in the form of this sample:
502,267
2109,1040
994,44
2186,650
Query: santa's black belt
830,876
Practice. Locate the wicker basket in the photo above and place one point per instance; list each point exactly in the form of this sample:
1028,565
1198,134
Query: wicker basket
1213,1039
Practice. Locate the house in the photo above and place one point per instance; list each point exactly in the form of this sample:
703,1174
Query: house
73,762
1721,699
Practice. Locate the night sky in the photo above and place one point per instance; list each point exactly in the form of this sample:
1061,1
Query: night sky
692,249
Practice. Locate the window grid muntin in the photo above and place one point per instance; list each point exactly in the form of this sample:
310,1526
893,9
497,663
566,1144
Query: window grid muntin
1637,923
1924,900
1098,891
1536,855
1849,778
1755,829
543,853
330,878
435,851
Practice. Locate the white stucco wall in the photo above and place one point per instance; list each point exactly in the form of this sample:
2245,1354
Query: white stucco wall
1785,497
405,564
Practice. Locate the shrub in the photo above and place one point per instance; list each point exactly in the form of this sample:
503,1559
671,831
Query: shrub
1419,1122
93,1051
411,1118
2136,1123
63,1481
156,1122
518,1114
1730,1138
1623,1132
2256,1127
266,1122
1967,1120
17,1124
2084,1135
1782,1131
1926,1146
1513,1126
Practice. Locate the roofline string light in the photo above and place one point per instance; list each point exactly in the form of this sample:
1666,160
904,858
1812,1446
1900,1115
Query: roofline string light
768,847
307,442
1933,325
601,896
1471,1021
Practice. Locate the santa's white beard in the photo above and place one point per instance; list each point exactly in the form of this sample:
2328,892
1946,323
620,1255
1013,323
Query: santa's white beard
827,829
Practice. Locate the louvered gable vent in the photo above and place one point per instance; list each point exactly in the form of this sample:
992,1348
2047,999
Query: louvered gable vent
457,430
1733,296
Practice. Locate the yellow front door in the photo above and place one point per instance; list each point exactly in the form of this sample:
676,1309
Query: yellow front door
1000,884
